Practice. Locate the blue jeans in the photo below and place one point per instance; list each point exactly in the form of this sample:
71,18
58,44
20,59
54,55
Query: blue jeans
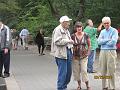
64,70
91,59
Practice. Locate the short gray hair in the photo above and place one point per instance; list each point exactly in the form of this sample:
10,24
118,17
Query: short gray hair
106,19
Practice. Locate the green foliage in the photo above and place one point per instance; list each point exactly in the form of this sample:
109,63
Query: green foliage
37,17
8,12
45,14
97,9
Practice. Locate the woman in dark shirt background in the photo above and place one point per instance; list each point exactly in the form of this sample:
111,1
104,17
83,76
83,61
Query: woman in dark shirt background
40,41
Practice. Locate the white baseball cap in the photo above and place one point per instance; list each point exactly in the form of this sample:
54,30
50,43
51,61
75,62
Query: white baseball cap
64,18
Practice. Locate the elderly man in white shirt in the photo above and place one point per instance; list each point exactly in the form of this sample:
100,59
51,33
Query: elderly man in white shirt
61,49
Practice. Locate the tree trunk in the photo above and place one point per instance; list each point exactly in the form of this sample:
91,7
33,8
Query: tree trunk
54,10
81,10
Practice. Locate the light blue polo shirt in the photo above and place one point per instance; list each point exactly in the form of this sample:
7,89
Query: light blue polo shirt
108,39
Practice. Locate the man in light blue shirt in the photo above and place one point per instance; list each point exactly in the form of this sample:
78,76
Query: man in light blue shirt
108,39
24,36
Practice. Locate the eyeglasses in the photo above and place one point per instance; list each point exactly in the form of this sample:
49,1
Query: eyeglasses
106,23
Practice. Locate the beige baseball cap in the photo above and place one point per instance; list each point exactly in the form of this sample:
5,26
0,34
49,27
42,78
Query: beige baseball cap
64,18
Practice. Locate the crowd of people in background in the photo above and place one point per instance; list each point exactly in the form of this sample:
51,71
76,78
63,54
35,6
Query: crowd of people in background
22,36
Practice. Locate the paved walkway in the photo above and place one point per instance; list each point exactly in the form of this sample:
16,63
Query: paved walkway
33,72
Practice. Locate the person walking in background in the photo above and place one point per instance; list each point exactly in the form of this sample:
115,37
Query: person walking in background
81,50
61,49
24,36
39,39
5,45
21,41
92,32
108,39
15,38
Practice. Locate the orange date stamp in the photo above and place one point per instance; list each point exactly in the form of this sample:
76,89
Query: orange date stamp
102,77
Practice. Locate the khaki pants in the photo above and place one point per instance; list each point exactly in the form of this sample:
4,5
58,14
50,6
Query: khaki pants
80,69
107,65
25,41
